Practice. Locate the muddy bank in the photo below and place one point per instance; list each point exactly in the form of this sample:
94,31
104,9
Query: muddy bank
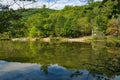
55,39
24,39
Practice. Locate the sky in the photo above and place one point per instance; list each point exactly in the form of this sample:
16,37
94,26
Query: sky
60,4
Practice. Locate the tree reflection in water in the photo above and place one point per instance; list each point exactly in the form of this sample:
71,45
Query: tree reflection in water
44,68
110,66
99,60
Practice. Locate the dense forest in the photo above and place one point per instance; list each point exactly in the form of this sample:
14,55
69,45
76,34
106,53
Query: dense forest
72,21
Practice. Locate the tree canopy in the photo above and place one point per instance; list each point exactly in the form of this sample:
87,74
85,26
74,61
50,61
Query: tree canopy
72,21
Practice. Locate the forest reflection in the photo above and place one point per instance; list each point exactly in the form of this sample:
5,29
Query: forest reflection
96,57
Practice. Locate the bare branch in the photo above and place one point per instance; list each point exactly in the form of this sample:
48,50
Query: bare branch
24,3
52,4
17,3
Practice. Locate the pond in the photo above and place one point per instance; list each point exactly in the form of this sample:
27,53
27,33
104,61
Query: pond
59,61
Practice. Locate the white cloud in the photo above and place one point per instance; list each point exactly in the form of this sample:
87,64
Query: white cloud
59,4
63,3
49,3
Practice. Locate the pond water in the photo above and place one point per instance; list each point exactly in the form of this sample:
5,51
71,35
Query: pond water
59,61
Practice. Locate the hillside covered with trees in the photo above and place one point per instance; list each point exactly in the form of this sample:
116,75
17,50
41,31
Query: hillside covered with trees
71,22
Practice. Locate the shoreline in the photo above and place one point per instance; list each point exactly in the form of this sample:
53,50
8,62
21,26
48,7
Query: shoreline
85,39
54,39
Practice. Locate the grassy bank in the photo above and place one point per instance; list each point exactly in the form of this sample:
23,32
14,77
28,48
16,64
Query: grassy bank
113,41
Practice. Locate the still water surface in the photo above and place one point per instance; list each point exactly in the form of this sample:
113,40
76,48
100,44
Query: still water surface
58,61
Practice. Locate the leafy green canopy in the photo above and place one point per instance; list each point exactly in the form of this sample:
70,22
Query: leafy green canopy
72,21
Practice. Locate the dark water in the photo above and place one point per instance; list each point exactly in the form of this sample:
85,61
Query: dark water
59,61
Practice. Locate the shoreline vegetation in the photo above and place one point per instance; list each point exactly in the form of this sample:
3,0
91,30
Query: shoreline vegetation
97,21
110,41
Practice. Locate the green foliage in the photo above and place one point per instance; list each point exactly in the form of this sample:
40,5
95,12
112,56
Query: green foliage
111,8
86,27
32,24
72,21
113,27
100,23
